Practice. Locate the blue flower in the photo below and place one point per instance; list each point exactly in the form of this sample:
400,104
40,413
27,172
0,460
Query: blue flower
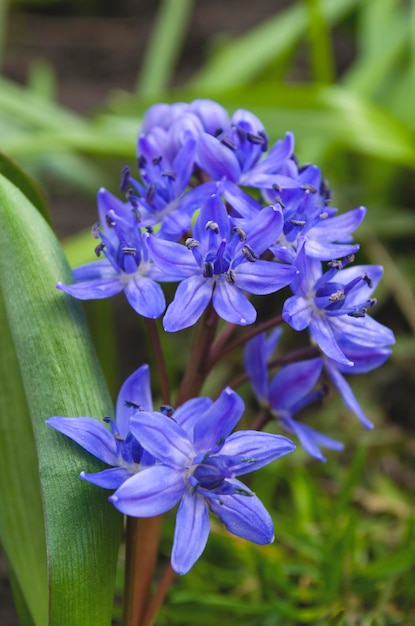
198,461
220,262
333,305
307,214
118,446
126,267
288,392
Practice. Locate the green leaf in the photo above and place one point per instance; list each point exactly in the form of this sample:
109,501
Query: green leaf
60,376
9,169
22,531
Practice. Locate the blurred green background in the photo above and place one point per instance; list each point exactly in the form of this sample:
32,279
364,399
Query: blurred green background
76,77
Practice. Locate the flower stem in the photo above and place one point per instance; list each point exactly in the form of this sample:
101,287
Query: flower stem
163,587
196,371
141,554
218,351
159,359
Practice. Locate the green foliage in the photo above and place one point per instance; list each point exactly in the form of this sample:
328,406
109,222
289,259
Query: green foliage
345,532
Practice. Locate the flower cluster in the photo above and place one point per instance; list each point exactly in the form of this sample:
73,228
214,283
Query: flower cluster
227,217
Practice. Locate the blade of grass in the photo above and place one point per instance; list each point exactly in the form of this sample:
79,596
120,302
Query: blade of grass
164,47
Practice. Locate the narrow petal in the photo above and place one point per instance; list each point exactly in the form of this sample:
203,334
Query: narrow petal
322,333
135,389
218,421
256,366
172,258
191,299
263,277
311,439
188,414
293,382
153,491
191,532
108,478
163,438
244,516
297,312
232,305
145,296
217,159
94,289
252,450
89,433
347,394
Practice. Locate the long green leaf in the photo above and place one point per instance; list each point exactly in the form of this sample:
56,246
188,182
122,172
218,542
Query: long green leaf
22,531
60,376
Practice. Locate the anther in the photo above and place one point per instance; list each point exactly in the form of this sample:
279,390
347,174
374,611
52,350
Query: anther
151,193
230,277
255,138
249,254
368,280
141,162
128,250
191,243
132,198
95,230
276,187
358,313
324,215
310,188
157,160
337,296
136,213
207,270
99,248
167,410
211,225
125,175
169,174
298,222
229,143
239,231
133,405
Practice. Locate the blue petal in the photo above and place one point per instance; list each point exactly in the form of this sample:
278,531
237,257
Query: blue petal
191,299
265,228
310,439
263,277
218,421
251,450
88,433
136,389
216,159
232,305
212,115
189,413
174,259
322,332
191,532
145,296
152,491
108,478
297,312
244,516
163,438
363,331
94,289
255,360
293,382
347,394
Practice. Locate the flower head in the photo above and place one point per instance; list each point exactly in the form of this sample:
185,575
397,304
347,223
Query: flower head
198,460
221,262
126,267
333,305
